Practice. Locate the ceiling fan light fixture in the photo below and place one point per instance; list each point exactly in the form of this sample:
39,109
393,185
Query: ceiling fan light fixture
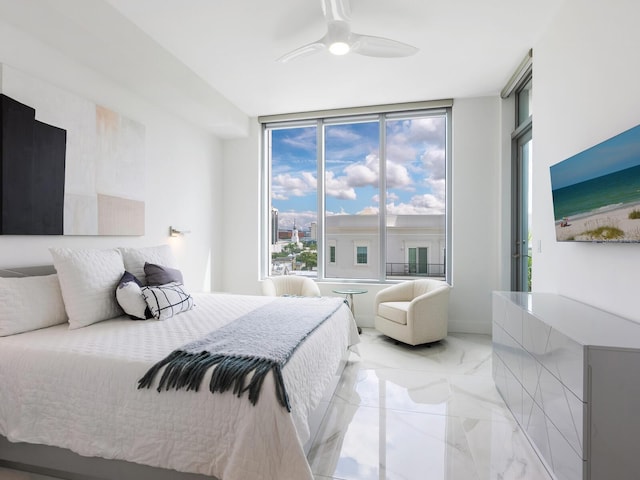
339,48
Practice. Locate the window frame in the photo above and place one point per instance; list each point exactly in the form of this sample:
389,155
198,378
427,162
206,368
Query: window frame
416,109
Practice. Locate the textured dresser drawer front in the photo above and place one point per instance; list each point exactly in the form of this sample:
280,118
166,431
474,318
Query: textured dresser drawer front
565,360
498,338
535,424
511,352
513,321
509,388
565,462
563,408
535,335
498,309
563,357
531,369
550,443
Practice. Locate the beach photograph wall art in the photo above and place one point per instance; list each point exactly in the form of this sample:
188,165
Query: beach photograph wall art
596,193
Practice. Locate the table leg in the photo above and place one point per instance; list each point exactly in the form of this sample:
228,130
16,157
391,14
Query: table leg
350,295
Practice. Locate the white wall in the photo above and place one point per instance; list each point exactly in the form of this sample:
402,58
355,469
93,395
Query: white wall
183,169
585,90
476,173
476,212
241,213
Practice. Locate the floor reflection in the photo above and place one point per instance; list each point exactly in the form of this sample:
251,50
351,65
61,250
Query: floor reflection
412,413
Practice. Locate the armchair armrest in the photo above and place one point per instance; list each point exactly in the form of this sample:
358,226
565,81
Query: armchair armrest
401,292
268,288
433,304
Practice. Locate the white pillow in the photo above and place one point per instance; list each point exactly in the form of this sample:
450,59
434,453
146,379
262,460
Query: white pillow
135,258
29,303
88,280
168,300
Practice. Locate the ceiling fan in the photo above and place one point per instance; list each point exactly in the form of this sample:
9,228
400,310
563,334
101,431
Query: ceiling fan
340,40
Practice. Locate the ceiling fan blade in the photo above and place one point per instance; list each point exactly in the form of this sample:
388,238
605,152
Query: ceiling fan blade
336,10
380,47
303,51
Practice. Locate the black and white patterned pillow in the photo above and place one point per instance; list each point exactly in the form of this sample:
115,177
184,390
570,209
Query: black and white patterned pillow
167,300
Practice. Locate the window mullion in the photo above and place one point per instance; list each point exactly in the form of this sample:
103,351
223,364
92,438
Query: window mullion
320,181
382,211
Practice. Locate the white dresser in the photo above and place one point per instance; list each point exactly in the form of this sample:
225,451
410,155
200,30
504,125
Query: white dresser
570,374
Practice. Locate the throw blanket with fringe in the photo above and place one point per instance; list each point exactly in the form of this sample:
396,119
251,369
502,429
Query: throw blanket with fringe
259,342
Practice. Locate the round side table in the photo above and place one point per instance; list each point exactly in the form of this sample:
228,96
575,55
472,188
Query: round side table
348,295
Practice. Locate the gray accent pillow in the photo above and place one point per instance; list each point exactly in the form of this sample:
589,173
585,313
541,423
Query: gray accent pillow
159,275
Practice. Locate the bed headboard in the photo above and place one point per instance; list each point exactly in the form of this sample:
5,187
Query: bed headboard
27,271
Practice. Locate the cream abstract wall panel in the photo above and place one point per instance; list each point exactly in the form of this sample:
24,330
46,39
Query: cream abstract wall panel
116,214
104,189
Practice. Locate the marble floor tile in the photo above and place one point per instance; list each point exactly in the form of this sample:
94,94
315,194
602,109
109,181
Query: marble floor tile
414,413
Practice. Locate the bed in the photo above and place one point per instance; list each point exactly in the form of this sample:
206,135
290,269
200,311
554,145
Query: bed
69,405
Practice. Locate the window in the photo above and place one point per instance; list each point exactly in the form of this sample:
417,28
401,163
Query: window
332,253
350,193
361,255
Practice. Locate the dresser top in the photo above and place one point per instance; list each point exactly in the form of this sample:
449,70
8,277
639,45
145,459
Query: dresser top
584,323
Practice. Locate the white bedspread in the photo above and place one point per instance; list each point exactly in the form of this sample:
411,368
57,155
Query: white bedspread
78,389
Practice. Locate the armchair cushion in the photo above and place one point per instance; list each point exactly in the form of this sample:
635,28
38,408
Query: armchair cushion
394,311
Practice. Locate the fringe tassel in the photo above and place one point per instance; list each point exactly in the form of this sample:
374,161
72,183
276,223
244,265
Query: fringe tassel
187,370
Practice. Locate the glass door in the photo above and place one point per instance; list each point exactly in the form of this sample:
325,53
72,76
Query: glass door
521,253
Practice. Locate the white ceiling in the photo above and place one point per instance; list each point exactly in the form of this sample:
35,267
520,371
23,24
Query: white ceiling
467,48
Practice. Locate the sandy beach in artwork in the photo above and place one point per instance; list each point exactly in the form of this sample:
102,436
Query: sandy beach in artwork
611,224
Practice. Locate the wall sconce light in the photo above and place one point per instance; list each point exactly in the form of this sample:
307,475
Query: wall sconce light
174,232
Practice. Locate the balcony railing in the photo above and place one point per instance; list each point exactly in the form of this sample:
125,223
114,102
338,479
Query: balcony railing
415,270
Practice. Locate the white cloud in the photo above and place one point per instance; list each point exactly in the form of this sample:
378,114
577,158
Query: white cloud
398,176
341,133
369,211
303,219
286,185
434,160
430,129
392,197
304,138
363,174
338,187
368,173
426,204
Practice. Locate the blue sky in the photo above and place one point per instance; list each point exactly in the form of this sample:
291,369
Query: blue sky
415,169
617,153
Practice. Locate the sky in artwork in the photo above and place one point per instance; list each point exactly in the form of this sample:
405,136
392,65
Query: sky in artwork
415,169
617,153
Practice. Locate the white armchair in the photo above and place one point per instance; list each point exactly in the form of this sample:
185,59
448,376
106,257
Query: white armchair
413,312
290,285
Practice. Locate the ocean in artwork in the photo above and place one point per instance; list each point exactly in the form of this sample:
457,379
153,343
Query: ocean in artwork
602,193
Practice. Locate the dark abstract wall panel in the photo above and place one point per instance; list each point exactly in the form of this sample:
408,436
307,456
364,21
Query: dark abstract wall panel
32,156
47,196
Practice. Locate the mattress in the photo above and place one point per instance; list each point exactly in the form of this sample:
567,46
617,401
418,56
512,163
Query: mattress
76,389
